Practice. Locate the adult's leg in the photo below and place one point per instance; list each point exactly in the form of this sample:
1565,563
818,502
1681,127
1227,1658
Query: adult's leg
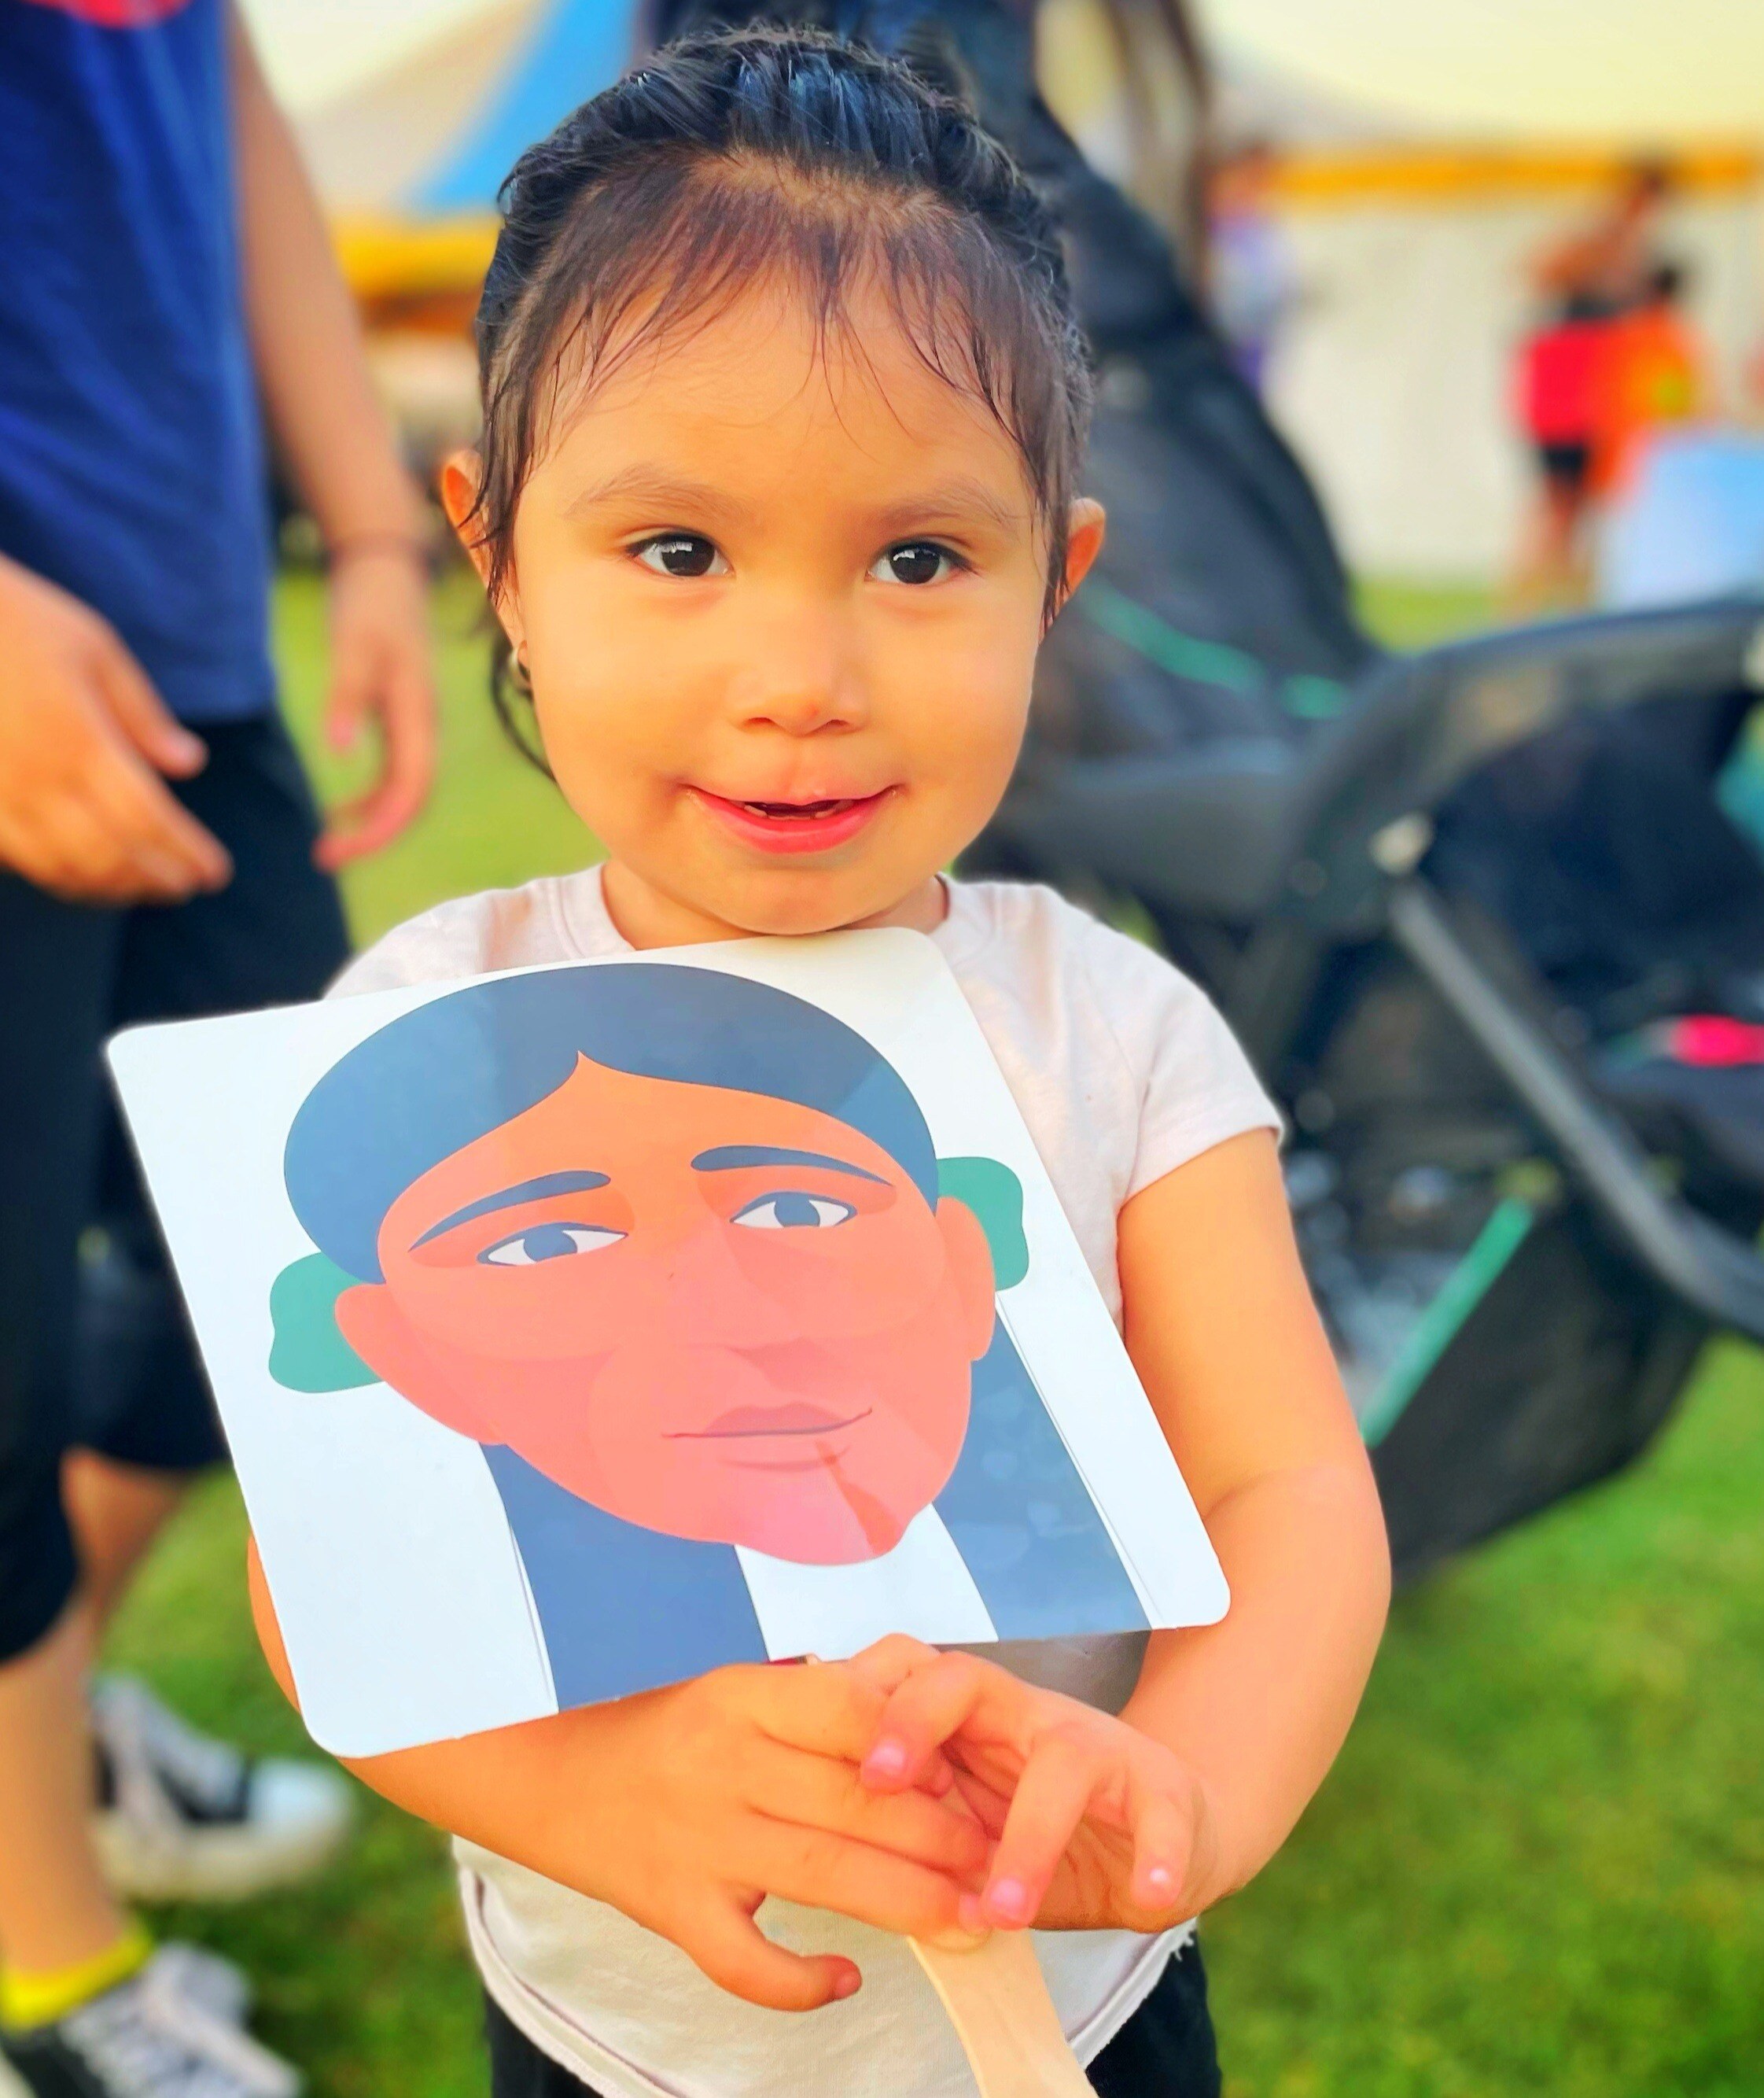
58,962
183,1816
116,1510
274,936
1551,570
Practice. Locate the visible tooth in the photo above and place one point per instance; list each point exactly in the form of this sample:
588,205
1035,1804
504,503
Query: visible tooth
805,811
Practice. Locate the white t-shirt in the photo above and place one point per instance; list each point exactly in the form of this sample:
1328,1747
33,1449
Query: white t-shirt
1123,1072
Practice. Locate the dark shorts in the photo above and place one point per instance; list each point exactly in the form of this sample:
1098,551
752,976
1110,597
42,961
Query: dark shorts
93,1349
1568,467
1165,2049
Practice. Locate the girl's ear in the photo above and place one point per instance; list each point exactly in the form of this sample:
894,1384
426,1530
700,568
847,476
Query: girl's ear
1086,530
459,476
459,479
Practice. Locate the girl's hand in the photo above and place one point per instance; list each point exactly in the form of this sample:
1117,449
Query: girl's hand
1095,1824
685,1808
744,1783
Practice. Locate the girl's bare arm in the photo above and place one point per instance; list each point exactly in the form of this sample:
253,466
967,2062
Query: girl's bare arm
1223,1331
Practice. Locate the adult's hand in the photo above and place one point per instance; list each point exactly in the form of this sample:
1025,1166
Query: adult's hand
84,739
382,672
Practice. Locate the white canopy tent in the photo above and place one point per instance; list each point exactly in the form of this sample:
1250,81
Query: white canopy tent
1428,154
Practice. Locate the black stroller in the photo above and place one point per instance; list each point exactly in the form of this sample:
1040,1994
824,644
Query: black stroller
1447,900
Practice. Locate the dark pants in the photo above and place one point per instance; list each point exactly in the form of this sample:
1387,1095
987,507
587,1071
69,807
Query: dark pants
1165,2049
94,1349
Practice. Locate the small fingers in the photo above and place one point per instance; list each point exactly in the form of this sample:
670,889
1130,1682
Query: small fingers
1052,1795
823,1708
1162,1824
738,1956
823,1869
819,1792
935,1702
887,1664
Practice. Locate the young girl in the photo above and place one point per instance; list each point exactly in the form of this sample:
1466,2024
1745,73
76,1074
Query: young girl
783,407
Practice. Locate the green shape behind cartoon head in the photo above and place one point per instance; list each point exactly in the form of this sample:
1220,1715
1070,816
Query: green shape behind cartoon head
309,1353
994,1194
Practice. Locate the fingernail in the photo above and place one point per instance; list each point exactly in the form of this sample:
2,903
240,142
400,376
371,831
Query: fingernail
1162,1881
848,1984
888,1759
961,1940
1009,1902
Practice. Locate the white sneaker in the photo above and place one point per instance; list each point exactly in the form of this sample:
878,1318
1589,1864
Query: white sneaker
224,1990
184,1818
150,2037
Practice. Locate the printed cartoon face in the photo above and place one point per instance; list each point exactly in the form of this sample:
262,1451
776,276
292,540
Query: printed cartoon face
712,1313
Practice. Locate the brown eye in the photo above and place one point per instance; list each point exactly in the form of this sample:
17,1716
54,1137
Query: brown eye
915,561
684,554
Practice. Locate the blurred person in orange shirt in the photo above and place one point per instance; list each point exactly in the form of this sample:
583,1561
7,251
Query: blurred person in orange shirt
1653,373
1588,282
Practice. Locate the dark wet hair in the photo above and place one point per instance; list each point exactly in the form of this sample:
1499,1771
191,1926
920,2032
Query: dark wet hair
437,1079
727,157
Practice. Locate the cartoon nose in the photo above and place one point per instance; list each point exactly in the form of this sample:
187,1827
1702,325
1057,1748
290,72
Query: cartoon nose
711,1302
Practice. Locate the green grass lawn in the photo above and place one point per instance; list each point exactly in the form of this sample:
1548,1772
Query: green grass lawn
1538,1867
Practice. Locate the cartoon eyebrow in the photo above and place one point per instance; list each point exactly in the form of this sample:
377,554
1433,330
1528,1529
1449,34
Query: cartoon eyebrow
727,1157
505,1198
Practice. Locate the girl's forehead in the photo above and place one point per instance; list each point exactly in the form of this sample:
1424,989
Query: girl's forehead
756,382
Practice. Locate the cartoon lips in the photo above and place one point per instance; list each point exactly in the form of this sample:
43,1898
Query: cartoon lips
741,1422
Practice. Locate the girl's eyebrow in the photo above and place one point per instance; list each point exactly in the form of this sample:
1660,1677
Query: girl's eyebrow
665,493
505,1198
655,487
950,500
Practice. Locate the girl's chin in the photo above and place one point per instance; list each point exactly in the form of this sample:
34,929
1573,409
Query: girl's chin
799,902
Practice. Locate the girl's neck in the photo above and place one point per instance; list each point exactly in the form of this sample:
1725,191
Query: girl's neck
647,916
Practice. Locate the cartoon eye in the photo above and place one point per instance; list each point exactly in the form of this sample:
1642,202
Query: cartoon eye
540,1242
793,1212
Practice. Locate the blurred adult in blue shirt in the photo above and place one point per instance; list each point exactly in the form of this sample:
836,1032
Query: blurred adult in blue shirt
165,283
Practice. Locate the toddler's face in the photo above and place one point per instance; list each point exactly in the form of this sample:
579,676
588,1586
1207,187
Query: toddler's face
780,611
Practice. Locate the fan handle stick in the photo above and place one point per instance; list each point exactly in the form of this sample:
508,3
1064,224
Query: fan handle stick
1005,2018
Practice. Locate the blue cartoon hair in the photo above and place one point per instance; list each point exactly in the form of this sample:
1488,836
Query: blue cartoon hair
448,1073
438,1078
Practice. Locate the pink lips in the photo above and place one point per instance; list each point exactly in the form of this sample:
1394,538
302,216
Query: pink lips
793,1419
794,827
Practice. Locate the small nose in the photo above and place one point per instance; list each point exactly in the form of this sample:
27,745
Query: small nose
804,676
